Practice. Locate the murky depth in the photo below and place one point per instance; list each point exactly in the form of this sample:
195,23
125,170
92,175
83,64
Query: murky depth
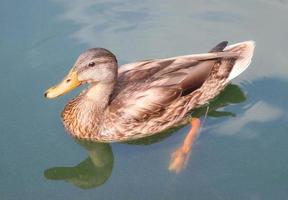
241,151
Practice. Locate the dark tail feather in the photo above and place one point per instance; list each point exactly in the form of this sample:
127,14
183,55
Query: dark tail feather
219,47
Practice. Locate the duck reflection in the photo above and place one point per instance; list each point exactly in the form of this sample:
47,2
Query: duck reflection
91,172
97,168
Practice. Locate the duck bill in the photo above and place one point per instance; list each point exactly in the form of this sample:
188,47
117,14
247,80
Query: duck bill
69,83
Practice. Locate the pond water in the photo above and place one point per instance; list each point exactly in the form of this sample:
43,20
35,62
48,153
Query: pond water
241,152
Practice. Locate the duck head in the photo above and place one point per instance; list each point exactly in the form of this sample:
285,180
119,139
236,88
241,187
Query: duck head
94,66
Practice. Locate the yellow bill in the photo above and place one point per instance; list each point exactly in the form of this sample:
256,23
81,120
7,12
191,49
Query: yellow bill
69,83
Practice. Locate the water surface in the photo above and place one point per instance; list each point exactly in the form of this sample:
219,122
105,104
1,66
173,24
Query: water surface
241,151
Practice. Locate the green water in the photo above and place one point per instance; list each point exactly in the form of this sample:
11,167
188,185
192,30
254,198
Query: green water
241,152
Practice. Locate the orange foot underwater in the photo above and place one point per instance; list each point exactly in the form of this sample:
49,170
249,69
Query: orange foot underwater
180,156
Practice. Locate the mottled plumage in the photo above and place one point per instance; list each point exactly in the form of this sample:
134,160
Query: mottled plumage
147,97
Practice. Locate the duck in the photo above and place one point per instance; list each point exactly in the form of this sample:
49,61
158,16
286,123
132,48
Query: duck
145,97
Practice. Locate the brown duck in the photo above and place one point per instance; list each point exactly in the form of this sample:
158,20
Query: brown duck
146,97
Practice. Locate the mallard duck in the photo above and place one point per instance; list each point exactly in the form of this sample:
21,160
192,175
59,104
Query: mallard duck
146,97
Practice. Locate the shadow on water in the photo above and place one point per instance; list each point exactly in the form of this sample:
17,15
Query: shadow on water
91,172
97,168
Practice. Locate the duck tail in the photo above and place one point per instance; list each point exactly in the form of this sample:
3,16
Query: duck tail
246,50
219,47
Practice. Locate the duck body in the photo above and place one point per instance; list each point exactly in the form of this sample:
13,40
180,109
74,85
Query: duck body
146,97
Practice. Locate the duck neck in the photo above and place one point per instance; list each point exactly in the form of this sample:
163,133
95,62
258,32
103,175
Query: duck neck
99,94
83,115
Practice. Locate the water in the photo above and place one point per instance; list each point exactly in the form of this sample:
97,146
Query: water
242,148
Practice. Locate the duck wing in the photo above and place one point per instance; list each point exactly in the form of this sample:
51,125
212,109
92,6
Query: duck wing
146,89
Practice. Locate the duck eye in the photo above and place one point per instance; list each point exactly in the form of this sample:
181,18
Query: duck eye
91,64
68,80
